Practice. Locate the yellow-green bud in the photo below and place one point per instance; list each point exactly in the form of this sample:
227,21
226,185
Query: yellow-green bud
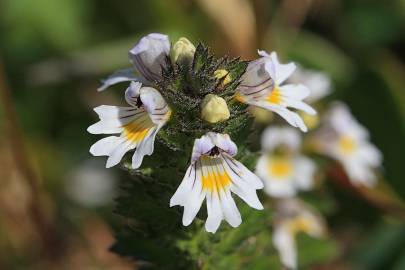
214,109
222,74
182,51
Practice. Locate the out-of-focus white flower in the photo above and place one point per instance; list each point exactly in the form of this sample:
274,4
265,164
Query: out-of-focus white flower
138,125
320,85
318,82
89,186
274,137
345,140
261,86
214,174
285,173
293,217
147,56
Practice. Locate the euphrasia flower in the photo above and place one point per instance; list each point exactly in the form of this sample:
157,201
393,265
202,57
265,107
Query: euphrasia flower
147,56
137,125
214,174
261,86
282,168
293,217
345,140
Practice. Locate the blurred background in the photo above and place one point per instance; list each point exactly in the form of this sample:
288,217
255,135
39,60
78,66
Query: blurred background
56,201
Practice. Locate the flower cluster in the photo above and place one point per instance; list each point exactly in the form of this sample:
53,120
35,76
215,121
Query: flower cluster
196,103
285,169
213,173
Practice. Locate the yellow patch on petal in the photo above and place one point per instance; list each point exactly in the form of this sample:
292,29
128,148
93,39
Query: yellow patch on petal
280,168
275,96
213,179
239,97
168,115
347,145
136,131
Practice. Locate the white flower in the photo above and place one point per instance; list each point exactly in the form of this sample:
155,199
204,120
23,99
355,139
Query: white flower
293,217
147,56
261,86
274,137
138,125
214,174
345,140
318,82
284,174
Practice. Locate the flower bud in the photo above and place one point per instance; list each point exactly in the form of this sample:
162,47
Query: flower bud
182,51
222,74
214,109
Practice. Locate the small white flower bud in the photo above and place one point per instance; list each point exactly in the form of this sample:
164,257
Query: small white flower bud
182,51
214,109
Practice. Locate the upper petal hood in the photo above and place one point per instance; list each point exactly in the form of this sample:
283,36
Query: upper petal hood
224,142
151,99
256,82
149,55
278,72
209,141
155,105
132,93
